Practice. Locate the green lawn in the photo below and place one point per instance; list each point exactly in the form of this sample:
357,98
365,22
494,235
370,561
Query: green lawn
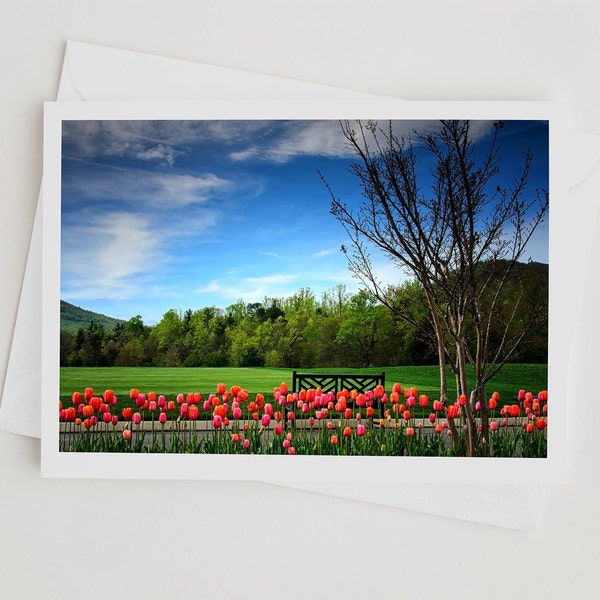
171,381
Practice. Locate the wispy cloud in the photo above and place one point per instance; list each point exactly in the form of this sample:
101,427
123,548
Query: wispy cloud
109,255
252,289
322,253
143,187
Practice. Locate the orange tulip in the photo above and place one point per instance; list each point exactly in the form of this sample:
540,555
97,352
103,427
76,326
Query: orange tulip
514,410
347,431
334,440
452,411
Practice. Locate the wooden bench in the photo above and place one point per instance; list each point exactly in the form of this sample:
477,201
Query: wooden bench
336,382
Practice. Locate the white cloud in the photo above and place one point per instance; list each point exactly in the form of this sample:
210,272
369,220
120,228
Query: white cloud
145,187
253,289
322,253
110,256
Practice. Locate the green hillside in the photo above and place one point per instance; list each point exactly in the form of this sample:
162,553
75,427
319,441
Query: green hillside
72,318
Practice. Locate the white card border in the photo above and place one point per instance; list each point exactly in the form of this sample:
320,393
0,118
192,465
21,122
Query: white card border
288,469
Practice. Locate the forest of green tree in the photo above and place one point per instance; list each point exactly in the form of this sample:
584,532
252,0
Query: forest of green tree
338,329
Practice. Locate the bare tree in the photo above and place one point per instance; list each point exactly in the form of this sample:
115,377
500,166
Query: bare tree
461,240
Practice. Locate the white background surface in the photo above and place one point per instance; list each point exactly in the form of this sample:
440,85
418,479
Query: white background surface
99,539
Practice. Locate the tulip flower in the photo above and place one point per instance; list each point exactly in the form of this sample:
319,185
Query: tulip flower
246,444
452,411
265,420
286,444
237,413
193,412
162,418
137,418
493,425
221,389
360,430
76,398
334,440
278,429
127,434
410,431
291,450
432,418
88,394
217,421
347,431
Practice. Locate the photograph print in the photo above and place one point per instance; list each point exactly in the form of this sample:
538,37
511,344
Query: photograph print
320,287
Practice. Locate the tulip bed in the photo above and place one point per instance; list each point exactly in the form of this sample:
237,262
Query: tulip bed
310,422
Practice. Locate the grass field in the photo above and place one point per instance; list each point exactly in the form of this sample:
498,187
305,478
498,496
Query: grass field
171,381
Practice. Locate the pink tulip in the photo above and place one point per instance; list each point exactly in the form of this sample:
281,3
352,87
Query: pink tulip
278,429
246,444
115,420
494,426
217,421
107,418
265,420
237,412
137,418
162,402
286,444
162,418
432,418
360,430
126,434
411,401
291,450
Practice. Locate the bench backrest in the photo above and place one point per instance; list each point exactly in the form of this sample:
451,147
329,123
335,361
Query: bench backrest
335,382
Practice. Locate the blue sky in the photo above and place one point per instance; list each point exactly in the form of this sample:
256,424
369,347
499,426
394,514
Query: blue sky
186,214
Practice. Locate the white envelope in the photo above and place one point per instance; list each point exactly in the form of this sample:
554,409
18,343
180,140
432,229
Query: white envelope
97,73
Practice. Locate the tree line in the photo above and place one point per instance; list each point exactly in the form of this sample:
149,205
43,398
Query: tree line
339,329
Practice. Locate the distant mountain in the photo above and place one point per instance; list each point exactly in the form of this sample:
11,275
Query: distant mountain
72,318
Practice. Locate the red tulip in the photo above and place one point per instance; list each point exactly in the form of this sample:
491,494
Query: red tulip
432,418
217,421
162,418
88,394
193,412
221,389
347,432
410,431
452,411
76,398
423,400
